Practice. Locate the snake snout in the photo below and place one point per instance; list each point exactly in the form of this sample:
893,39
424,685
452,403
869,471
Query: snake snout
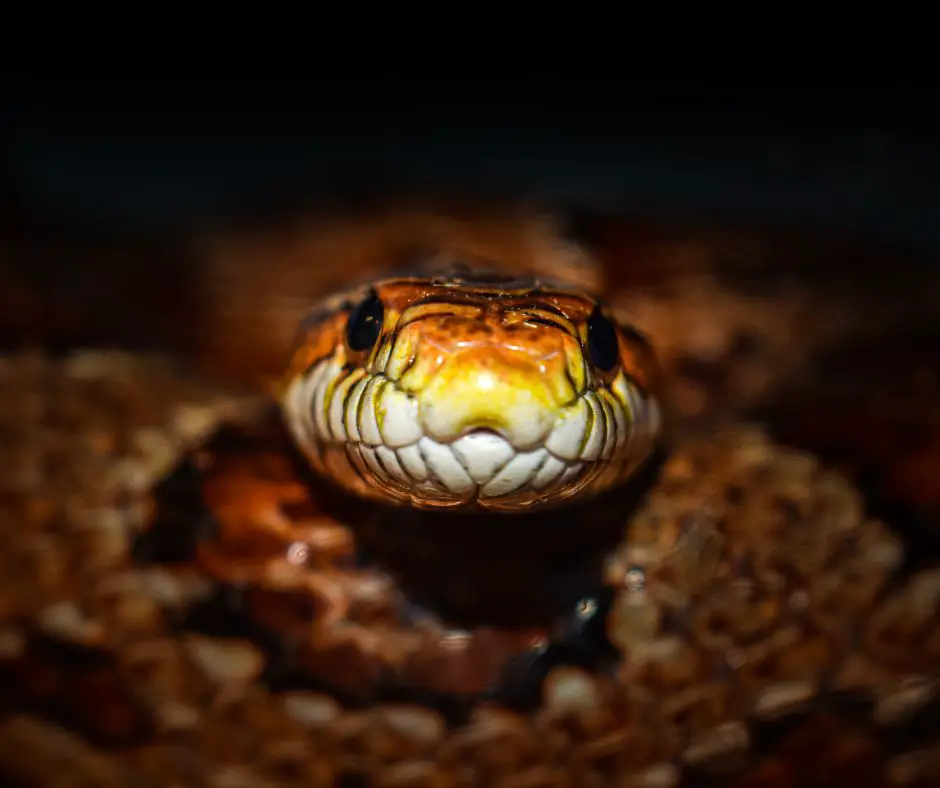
490,391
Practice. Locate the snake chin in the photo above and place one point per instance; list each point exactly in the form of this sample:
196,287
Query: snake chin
481,467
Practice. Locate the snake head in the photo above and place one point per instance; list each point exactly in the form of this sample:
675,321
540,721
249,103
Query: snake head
468,391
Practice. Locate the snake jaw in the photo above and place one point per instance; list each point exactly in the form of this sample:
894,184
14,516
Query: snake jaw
370,436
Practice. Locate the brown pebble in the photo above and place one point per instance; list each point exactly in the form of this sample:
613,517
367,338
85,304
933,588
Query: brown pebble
724,743
571,690
498,741
13,643
915,769
660,775
161,671
414,774
421,727
225,662
33,752
899,701
544,776
106,707
65,621
312,709
616,752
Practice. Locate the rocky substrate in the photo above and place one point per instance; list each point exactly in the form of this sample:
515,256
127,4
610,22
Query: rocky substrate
180,607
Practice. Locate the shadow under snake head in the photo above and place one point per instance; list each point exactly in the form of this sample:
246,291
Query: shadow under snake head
471,391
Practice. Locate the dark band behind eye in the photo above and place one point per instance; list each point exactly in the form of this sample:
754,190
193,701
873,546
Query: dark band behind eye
365,323
603,347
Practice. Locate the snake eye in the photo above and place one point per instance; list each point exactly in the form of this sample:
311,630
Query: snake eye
365,323
602,342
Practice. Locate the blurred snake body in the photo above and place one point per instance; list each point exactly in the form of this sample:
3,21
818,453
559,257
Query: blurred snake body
471,390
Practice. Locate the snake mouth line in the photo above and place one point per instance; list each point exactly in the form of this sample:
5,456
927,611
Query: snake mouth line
352,424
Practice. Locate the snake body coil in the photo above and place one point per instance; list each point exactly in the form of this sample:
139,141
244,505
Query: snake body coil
471,391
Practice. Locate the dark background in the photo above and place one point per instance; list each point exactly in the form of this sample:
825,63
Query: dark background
163,155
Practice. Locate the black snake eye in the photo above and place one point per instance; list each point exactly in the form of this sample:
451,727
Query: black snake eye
602,342
365,323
